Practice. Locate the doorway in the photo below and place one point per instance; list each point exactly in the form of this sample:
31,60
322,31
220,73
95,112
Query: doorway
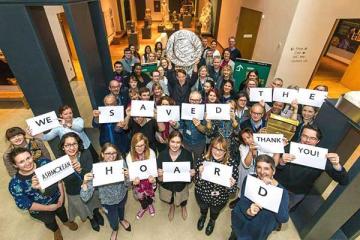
336,67
247,31
140,9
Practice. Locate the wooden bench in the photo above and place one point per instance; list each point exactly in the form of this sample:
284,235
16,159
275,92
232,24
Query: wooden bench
12,93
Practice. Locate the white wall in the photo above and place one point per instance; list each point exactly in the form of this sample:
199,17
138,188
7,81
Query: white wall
311,26
51,13
273,30
229,18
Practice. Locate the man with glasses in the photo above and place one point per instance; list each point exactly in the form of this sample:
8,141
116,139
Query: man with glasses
110,132
120,92
156,79
256,121
194,130
298,179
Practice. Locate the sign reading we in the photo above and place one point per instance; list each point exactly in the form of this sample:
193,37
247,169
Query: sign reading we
43,122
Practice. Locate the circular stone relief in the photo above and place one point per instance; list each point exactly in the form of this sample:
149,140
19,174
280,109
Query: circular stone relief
184,48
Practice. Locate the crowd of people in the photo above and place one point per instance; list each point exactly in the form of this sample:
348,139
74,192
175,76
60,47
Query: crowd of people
227,142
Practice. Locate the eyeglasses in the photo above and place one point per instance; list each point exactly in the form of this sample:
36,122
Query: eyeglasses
305,137
67,146
218,150
110,153
257,114
140,146
195,100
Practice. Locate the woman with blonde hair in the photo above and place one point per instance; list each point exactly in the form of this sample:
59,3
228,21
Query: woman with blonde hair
212,196
144,190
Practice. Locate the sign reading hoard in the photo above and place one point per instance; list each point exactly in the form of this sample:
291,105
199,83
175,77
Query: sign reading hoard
281,125
243,66
148,68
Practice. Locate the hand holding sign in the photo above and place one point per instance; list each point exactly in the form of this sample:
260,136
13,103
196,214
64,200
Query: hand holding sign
168,113
111,114
269,143
254,209
217,173
258,94
43,123
218,111
311,97
176,172
142,169
190,111
264,195
308,155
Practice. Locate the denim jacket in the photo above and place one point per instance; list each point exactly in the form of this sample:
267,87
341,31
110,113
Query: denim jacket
191,134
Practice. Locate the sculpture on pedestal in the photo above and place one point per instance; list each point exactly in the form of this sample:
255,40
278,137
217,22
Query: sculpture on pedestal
165,15
147,18
206,18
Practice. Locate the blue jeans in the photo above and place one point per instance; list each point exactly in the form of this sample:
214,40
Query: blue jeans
115,213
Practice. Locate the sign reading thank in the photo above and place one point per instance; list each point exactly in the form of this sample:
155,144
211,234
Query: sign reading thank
43,122
54,171
269,143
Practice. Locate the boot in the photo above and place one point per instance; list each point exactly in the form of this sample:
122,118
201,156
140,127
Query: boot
210,227
94,225
71,225
57,235
201,222
98,217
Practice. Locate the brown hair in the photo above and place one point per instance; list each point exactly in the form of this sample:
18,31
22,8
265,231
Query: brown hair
12,132
224,145
167,98
135,139
63,108
175,133
108,145
245,130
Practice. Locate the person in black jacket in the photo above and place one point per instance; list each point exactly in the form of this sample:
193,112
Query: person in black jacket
120,92
299,179
120,74
256,121
180,83
234,52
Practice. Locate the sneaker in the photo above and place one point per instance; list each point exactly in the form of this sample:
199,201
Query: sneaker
151,210
140,213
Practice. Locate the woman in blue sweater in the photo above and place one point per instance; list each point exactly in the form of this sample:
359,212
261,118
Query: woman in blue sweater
251,221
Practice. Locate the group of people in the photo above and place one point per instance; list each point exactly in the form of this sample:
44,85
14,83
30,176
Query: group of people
227,142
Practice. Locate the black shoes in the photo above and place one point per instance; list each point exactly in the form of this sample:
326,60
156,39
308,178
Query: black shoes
210,227
98,217
201,222
94,224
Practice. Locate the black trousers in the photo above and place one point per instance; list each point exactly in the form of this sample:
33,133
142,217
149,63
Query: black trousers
205,207
146,201
48,218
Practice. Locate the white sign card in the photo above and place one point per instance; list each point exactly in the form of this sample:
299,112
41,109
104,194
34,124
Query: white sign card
176,171
142,169
217,173
190,111
269,143
284,95
167,113
308,155
265,195
43,122
311,97
54,171
140,108
108,172
216,111
258,94
111,114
